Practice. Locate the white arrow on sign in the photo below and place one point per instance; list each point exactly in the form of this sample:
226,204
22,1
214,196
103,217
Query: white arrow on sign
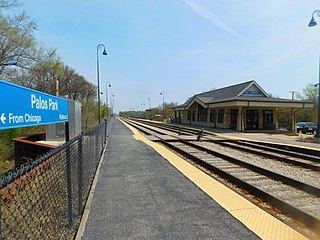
3,118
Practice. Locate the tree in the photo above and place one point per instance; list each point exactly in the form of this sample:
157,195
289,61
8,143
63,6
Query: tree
6,4
88,113
168,112
105,111
154,114
17,43
76,86
310,93
45,72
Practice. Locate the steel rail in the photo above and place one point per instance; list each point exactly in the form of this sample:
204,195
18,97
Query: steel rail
286,180
298,214
285,207
145,130
173,127
266,154
308,154
264,148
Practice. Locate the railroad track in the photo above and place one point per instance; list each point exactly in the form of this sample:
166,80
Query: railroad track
285,178
301,160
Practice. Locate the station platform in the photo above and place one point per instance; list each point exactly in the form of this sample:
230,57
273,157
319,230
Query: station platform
272,136
143,191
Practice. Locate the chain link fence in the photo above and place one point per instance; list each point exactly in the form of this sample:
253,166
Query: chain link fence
45,198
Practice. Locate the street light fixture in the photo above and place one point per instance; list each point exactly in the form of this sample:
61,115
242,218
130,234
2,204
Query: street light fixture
108,84
162,93
103,53
313,23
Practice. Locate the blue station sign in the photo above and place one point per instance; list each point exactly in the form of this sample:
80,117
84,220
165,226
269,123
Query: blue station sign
253,92
24,107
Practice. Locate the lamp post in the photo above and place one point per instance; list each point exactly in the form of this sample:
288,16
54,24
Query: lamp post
149,99
108,84
313,23
111,103
150,112
103,53
142,104
162,93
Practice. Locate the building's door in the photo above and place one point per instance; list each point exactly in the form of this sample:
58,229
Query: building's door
213,117
252,121
234,118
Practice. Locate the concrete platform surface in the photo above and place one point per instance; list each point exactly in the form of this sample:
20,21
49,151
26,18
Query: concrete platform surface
281,137
140,195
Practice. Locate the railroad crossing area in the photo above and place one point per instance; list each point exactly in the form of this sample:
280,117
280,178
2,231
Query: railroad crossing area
144,191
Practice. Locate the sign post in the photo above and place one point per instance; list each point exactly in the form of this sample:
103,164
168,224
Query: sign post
24,107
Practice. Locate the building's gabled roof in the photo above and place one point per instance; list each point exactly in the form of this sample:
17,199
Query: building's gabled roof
218,94
247,91
227,92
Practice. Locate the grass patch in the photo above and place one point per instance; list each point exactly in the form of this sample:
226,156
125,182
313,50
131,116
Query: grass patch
6,156
7,145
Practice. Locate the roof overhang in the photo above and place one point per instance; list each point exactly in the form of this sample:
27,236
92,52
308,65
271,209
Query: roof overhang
196,100
179,108
252,103
248,103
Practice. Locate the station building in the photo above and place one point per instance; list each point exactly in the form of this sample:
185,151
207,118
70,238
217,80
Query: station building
244,106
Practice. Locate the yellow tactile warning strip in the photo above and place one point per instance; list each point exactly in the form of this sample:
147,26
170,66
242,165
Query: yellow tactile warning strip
260,222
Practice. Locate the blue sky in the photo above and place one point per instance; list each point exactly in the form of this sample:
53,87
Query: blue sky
182,47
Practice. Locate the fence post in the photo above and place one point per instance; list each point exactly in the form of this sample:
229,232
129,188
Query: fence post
105,131
101,132
96,132
1,221
69,188
80,169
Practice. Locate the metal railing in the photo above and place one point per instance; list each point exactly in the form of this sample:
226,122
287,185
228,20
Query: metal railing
45,198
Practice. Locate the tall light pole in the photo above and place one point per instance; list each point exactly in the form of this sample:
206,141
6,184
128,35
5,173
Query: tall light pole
103,53
142,104
313,23
162,93
111,102
149,99
108,85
